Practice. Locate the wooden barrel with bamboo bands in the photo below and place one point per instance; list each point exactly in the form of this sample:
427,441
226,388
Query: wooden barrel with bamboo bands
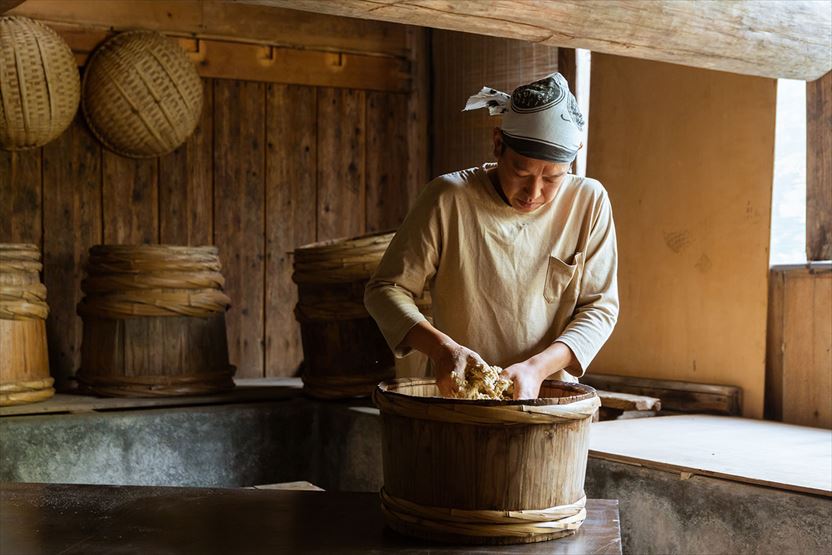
154,322
24,357
484,472
344,353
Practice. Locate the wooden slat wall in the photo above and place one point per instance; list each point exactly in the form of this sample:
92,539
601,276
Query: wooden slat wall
799,346
270,167
250,180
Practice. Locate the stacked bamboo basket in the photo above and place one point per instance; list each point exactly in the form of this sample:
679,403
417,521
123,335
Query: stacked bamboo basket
154,322
345,354
484,472
24,364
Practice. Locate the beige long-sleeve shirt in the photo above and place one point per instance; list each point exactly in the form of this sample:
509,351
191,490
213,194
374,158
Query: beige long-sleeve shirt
505,284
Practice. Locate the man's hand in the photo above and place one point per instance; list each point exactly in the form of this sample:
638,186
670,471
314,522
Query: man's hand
527,379
452,357
446,354
529,374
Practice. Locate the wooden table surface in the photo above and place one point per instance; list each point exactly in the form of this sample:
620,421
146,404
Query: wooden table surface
74,519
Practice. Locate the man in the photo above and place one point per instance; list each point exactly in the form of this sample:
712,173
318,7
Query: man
520,256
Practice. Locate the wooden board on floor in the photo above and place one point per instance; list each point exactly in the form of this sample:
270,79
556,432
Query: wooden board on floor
290,214
759,452
674,395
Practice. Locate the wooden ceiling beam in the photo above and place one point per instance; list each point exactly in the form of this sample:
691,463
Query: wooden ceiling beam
780,38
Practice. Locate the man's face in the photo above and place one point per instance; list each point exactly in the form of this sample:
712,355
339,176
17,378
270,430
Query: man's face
527,183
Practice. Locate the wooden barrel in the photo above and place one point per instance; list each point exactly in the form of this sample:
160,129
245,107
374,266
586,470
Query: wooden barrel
344,353
484,472
24,363
154,322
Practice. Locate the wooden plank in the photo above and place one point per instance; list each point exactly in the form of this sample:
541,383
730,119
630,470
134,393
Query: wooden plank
387,161
819,169
226,20
186,184
130,199
774,346
290,214
674,395
20,196
807,347
464,139
72,212
268,63
239,162
772,39
693,258
773,454
294,66
246,391
628,401
341,155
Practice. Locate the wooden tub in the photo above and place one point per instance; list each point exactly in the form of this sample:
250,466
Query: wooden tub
154,322
484,472
344,352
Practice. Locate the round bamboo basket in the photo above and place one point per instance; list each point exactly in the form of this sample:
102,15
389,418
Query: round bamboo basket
484,472
142,94
154,322
24,364
39,84
345,354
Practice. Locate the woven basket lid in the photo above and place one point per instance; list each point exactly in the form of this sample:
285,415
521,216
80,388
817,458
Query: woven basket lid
142,95
39,84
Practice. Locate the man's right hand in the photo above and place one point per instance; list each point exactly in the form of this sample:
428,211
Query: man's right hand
446,354
451,358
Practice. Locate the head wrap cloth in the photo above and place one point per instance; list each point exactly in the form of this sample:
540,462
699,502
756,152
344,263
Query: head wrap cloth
540,120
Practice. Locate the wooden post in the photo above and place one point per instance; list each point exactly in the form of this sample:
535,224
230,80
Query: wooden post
819,169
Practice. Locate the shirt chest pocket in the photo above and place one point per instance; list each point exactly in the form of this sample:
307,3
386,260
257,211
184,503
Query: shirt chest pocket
559,276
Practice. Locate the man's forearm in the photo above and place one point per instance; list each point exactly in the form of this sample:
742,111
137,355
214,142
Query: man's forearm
557,356
427,339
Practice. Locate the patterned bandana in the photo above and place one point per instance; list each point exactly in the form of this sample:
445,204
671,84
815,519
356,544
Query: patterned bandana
540,120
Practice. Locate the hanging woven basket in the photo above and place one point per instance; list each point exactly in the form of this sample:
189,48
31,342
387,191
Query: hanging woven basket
142,95
39,84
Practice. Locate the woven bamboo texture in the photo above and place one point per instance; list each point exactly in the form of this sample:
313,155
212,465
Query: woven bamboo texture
22,295
484,471
39,84
142,96
128,281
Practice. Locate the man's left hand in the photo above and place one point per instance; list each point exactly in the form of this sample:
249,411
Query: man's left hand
527,378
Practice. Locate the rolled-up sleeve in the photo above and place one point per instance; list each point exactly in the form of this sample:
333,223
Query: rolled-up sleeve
405,270
596,311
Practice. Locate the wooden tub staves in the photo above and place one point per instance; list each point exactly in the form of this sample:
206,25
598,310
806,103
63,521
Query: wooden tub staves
24,359
344,353
154,322
484,472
